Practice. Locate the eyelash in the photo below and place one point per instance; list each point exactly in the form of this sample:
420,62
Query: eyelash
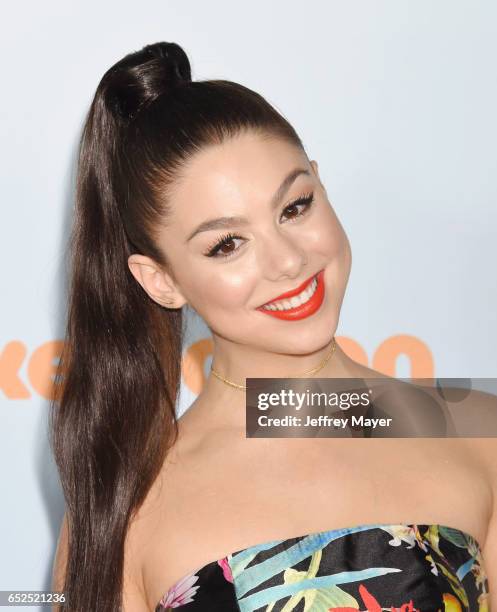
305,200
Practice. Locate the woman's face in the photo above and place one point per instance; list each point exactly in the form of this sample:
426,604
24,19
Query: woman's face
226,270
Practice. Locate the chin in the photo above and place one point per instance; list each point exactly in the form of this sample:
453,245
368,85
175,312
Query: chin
304,342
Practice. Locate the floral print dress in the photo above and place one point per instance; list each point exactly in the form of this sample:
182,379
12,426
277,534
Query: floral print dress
368,568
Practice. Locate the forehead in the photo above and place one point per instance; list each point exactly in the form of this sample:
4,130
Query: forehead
245,169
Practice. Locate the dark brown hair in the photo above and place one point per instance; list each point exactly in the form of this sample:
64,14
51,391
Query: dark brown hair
113,419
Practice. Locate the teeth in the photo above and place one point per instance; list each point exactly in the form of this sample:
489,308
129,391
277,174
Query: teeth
296,300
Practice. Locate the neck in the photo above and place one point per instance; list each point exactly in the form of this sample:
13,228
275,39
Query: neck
236,362
222,406
304,374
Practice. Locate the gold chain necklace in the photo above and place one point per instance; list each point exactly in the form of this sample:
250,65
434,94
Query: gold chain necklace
313,371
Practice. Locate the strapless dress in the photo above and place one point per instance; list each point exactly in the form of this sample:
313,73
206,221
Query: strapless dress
375,567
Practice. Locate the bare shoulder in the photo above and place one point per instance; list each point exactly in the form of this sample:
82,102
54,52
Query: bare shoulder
470,414
475,419
137,550
474,412
137,546
473,415
133,593
159,543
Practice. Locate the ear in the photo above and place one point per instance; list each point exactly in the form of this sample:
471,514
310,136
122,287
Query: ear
158,284
314,165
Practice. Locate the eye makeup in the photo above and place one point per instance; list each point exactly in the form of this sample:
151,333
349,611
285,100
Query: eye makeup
214,250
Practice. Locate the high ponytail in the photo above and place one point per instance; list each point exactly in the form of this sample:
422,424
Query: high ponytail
113,420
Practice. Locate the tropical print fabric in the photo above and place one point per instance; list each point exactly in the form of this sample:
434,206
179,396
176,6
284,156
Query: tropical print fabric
368,568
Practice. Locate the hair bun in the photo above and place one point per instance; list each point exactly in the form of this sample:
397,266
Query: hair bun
175,61
142,76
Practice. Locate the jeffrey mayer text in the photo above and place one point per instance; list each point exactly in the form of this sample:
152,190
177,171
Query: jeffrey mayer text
343,422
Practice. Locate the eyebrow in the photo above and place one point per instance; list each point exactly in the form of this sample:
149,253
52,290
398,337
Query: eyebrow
223,222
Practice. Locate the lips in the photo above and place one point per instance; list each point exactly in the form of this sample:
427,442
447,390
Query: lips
291,293
304,310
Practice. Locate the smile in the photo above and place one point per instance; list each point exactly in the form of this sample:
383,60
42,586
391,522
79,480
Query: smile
294,306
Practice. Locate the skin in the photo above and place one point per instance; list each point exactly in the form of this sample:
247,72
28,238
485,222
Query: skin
279,250
214,473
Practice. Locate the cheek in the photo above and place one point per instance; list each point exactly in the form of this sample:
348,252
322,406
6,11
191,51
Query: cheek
220,288
326,235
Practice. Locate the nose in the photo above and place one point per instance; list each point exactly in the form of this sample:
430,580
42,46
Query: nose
281,255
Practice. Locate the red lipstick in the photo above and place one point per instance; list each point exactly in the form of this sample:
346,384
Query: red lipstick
304,310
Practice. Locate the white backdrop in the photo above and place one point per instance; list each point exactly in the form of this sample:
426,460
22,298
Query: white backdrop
396,101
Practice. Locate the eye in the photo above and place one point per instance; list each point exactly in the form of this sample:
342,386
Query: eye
220,244
218,247
305,201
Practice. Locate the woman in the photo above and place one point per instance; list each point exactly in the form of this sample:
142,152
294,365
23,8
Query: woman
163,513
